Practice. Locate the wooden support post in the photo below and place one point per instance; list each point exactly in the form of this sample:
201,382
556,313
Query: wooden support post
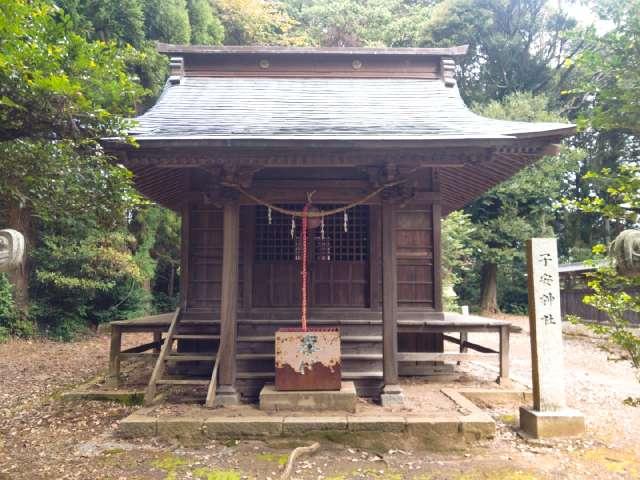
464,338
391,393
226,391
503,379
113,378
157,338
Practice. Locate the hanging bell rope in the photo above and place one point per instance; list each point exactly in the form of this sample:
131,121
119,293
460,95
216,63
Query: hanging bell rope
320,213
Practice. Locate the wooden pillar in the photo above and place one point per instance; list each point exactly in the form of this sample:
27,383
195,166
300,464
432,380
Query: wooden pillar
437,257
504,379
226,392
391,393
113,378
157,338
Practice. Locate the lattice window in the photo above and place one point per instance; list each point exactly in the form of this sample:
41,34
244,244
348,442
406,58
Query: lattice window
274,242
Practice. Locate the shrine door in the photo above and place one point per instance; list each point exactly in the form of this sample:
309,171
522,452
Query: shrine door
338,259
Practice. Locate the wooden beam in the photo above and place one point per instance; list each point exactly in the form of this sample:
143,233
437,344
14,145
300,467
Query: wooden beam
229,299
389,294
156,345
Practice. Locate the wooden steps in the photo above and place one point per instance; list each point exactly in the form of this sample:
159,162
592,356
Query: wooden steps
169,355
191,357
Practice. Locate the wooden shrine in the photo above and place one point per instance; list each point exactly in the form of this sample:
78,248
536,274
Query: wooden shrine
240,129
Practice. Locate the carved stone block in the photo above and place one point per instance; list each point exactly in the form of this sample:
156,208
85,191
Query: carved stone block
11,250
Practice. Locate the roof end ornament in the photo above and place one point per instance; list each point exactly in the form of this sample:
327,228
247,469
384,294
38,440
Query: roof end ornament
448,71
176,72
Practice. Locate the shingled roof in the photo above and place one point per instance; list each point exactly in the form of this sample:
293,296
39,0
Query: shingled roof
316,108
363,108
275,93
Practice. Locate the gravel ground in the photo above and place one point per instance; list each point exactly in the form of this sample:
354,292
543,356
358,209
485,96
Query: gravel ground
42,437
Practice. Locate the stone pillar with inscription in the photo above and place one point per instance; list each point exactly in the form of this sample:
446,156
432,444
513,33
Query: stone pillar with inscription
549,416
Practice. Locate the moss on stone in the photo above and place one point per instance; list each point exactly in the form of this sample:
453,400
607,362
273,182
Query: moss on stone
212,474
170,464
273,458
505,474
614,461
508,418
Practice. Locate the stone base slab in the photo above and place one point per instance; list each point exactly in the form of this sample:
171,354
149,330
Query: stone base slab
345,399
469,427
564,423
464,422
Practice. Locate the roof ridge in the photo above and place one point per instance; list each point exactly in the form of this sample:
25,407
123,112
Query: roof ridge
454,51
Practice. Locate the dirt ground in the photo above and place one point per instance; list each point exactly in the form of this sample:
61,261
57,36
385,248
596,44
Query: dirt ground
43,437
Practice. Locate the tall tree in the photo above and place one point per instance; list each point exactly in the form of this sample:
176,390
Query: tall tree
57,97
519,208
514,45
206,28
354,23
167,21
108,20
256,22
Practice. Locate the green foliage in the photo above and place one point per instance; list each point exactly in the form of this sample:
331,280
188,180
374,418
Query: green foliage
157,253
620,201
206,29
349,23
60,95
457,251
610,295
61,86
516,210
85,280
609,86
167,21
12,323
514,45
613,293
108,20
256,22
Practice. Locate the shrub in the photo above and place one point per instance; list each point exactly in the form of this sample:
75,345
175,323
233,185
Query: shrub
12,323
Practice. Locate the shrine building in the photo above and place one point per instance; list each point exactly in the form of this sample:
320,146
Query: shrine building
242,138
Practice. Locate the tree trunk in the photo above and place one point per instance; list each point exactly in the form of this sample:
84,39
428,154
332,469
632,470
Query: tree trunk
20,219
489,289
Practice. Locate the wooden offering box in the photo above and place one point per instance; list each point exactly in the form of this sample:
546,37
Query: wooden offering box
308,360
